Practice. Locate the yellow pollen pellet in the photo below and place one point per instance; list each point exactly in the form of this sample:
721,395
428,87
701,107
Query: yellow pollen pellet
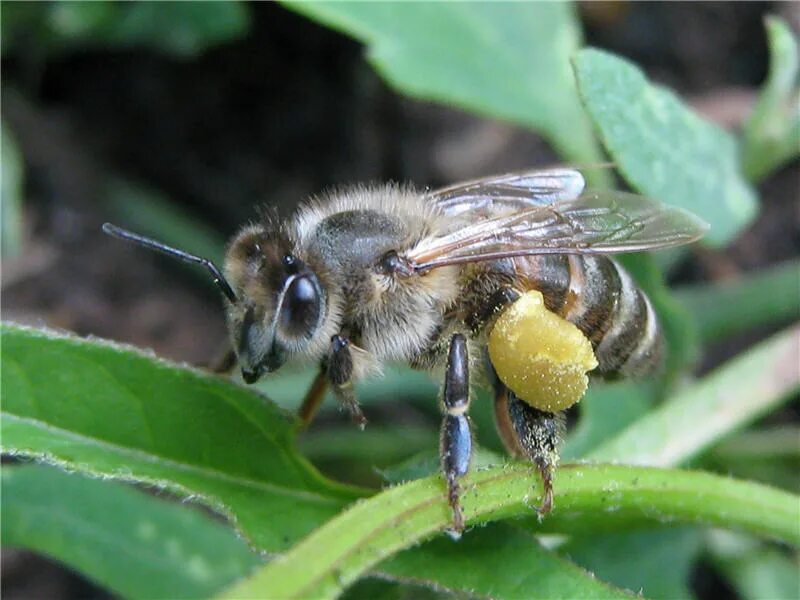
539,356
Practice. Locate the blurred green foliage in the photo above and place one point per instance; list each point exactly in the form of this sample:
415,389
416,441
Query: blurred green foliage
755,570
771,135
10,193
180,29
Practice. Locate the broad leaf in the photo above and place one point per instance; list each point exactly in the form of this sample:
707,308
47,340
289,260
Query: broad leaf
128,541
509,61
112,411
662,148
497,561
635,560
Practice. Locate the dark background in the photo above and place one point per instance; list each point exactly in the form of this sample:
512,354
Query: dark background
284,111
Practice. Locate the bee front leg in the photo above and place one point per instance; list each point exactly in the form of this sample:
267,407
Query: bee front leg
538,435
340,374
224,362
456,437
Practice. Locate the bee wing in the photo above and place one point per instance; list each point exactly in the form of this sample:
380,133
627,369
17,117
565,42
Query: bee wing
597,222
512,192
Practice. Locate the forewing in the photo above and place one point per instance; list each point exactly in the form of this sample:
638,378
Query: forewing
598,222
512,192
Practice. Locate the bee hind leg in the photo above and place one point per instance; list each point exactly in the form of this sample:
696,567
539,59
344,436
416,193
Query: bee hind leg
456,436
538,435
502,418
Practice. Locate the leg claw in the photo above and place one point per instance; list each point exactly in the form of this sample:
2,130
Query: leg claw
455,503
547,491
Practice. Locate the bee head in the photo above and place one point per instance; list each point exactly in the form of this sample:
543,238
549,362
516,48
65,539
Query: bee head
276,304
280,302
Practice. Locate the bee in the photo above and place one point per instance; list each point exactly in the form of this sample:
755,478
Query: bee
366,275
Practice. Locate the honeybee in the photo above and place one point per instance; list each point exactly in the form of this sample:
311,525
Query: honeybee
366,275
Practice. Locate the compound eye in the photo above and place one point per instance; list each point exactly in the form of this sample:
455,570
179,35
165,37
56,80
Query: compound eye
300,309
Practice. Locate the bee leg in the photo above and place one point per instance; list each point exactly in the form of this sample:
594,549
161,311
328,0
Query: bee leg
538,435
340,373
502,419
314,397
347,397
224,362
456,437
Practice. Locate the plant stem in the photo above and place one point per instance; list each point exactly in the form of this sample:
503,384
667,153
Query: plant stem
336,554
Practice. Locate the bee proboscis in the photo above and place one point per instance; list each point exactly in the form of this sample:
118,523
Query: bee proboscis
366,275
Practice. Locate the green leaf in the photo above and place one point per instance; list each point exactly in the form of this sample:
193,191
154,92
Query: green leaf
80,20
132,543
766,297
428,462
496,561
382,589
509,61
113,411
733,395
772,133
662,148
589,497
181,29
380,445
777,441
10,193
607,409
756,570
397,383
635,560
769,454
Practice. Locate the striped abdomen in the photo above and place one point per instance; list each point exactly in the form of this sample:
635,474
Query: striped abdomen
597,295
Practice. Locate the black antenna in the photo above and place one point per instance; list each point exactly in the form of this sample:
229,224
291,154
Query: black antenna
129,236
